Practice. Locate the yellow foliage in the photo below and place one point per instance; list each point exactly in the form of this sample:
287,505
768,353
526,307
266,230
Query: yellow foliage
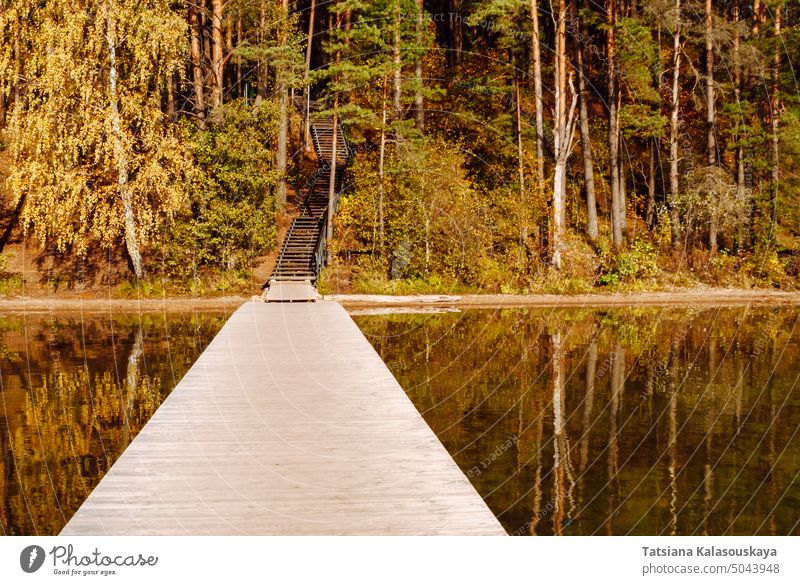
65,163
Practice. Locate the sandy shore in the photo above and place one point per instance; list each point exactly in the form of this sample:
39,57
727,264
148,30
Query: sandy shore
676,298
230,303
73,305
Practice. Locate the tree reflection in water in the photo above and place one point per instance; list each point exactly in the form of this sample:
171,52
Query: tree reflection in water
629,421
75,392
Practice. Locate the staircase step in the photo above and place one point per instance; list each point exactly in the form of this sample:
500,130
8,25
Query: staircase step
297,257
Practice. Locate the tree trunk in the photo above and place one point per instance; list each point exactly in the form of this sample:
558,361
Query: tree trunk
333,162
205,34
398,66
419,103
559,214
123,189
457,30
650,214
239,37
228,52
381,221
309,45
536,64
283,113
623,178
710,109
17,63
261,66
563,135
560,448
655,140
216,53
711,119
171,114
673,134
197,62
580,35
591,372
613,123
132,382
775,109
523,203
332,182
711,146
737,92
12,222
757,17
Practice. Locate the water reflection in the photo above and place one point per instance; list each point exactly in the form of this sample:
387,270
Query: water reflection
624,421
75,392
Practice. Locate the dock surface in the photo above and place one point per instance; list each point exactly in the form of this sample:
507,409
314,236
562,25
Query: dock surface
288,423
291,292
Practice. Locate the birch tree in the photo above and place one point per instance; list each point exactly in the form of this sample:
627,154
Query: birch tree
563,134
93,152
673,127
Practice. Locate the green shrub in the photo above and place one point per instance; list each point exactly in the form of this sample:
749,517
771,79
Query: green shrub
9,283
640,262
230,218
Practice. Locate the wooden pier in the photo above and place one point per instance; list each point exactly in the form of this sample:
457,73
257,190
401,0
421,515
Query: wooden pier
288,423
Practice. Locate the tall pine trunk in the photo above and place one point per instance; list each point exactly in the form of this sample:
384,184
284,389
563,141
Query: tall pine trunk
457,32
580,35
398,66
710,107
239,38
741,187
775,109
523,203
536,64
229,75
283,114
196,51
419,103
333,162
613,123
216,54
333,173
650,212
655,140
261,66
711,119
381,174
623,184
306,71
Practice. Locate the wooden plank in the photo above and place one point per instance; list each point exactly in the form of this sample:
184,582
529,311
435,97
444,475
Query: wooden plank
288,423
288,291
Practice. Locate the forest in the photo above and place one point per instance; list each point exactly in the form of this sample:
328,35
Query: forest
509,146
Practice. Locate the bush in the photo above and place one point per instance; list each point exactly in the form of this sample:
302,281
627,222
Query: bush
640,262
9,283
230,218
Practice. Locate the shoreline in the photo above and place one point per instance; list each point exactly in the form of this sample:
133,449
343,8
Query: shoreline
708,297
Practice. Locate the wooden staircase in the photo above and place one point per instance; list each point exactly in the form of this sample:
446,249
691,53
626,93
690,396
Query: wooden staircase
302,253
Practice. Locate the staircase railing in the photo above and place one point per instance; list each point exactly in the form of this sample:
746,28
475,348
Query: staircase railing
322,239
345,143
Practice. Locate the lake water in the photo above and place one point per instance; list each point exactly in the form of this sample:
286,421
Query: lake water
75,392
639,421
619,421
